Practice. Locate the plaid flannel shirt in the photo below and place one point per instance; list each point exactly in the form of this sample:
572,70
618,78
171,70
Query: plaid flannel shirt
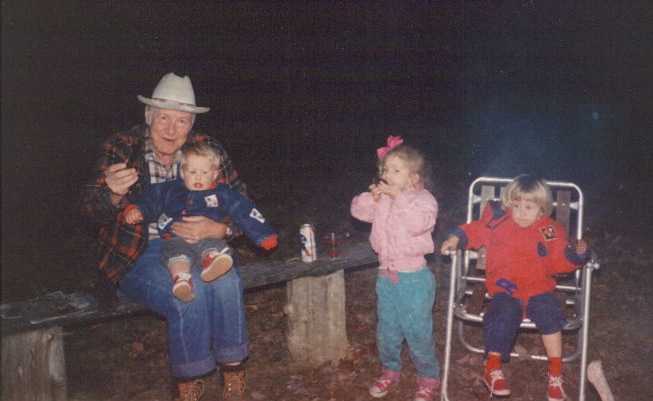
122,244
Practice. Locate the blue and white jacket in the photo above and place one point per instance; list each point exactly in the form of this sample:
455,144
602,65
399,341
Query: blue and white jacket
167,202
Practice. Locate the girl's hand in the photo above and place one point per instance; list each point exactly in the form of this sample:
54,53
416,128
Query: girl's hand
382,187
390,190
449,245
375,188
376,192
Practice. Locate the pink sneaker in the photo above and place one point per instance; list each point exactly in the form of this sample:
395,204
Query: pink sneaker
382,385
496,383
554,391
427,388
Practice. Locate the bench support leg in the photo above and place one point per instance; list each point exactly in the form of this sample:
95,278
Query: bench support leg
317,327
33,366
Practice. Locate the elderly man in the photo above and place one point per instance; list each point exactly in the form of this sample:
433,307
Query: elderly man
210,331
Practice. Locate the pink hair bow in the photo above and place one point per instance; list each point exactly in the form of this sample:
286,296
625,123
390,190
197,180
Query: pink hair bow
393,142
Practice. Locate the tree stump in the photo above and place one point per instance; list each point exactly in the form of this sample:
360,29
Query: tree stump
317,327
33,366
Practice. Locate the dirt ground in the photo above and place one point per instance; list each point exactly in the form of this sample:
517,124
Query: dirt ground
127,359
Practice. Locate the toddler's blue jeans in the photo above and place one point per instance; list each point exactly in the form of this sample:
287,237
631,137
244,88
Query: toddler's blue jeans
208,330
405,312
502,320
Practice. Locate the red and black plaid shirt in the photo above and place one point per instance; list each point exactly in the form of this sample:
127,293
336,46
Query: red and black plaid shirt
122,244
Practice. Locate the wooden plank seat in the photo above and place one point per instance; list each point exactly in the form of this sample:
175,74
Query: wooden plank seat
33,360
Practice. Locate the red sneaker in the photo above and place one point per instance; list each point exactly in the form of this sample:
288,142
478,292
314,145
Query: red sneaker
183,287
382,385
554,391
216,264
496,383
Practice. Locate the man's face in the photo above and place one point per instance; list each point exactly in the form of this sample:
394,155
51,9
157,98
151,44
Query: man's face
169,129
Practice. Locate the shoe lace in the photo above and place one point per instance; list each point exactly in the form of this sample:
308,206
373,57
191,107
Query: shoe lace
182,276
556,381
424,393
383,383
214,252
234,386
192,391
495,375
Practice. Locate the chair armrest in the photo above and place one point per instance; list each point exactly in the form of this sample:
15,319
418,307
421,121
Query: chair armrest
593,262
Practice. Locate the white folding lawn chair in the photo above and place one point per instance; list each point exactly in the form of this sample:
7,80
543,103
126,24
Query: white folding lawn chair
467,295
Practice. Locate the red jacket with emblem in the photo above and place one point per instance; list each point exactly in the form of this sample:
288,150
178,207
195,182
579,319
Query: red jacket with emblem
522,262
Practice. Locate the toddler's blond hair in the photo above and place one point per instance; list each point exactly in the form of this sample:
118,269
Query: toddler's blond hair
529,187
200,149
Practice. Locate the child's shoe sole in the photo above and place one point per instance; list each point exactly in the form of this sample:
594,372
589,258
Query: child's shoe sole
381,387
218,268
183,291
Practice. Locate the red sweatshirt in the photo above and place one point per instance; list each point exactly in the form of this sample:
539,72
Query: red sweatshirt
522,262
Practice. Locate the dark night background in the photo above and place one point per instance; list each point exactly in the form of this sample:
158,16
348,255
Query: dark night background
302,92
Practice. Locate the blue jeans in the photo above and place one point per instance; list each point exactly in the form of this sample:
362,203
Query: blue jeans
502,320
207,331
405,312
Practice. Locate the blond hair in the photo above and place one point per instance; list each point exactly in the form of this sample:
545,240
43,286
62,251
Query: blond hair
416,162
531,188
200,149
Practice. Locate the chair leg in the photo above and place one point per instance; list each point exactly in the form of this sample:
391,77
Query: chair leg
587,285
455,259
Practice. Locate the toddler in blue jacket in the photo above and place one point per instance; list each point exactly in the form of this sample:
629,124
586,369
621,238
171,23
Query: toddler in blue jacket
197,194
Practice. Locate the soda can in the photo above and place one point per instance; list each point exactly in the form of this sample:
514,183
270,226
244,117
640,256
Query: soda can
307,238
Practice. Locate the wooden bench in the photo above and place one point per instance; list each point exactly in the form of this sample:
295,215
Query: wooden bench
33,362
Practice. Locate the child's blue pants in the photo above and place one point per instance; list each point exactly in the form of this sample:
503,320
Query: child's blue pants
405,312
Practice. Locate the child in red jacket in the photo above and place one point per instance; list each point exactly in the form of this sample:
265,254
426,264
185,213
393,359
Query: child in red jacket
526,249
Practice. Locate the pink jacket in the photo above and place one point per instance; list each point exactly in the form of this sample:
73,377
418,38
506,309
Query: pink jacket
401,228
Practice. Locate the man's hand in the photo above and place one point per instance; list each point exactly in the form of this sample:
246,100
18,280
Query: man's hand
119,178
196,228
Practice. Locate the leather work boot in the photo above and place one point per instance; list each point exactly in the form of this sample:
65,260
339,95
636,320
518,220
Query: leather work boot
191,391
234,386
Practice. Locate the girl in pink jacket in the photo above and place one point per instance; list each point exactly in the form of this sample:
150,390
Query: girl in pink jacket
403,214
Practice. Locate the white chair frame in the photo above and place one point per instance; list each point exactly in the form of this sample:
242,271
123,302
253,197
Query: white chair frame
577,287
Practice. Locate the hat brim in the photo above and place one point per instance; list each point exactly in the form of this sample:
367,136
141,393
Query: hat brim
163,104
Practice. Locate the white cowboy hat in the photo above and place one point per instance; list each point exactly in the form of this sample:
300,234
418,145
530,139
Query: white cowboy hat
174,92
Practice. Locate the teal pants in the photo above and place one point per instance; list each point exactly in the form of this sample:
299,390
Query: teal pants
405,312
